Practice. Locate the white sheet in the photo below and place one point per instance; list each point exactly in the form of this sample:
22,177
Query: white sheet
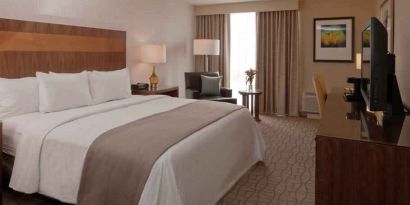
12,131
198,170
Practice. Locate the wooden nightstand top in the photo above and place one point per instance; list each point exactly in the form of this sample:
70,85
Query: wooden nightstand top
161,90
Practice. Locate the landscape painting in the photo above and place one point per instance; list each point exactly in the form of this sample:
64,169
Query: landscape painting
366,41
333,39
366,38
333,36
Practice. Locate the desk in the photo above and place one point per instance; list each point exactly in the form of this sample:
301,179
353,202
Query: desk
359,166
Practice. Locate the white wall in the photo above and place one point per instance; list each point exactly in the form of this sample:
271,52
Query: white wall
169,22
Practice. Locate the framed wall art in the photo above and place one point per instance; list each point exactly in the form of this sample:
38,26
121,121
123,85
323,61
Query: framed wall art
333,39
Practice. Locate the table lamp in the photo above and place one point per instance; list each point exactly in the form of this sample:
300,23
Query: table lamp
206,47
358,61
153,54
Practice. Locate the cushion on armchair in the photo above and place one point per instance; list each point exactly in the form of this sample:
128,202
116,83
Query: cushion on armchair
195,88
193,79
211,85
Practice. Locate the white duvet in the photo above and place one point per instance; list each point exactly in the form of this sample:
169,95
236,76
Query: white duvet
198,170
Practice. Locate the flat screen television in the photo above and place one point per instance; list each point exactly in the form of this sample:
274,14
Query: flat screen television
375,66
379,86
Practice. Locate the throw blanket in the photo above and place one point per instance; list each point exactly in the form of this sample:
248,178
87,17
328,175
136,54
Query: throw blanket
119,162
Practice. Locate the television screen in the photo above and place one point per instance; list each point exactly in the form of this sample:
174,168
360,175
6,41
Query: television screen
375,65
366,57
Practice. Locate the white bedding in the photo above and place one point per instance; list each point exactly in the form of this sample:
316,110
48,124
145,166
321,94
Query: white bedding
12,131
198,170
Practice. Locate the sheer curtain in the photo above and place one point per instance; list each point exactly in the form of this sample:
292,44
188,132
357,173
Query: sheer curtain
243,50
215,27
278,62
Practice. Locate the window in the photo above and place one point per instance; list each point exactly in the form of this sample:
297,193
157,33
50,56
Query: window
243,50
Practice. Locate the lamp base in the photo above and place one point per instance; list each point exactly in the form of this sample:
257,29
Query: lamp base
153,86
153,79
206,69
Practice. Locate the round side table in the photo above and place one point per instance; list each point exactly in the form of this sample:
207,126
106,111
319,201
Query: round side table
253,97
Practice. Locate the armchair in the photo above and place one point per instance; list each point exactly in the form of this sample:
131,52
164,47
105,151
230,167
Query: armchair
193,86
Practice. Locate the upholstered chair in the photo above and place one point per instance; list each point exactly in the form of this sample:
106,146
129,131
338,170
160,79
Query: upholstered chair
193,84
321,93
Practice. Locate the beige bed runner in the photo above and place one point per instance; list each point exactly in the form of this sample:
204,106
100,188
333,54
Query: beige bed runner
119,162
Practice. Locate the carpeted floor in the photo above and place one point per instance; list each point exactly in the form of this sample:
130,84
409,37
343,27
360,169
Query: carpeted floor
286,177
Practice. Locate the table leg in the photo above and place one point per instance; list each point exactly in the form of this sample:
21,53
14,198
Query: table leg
252,104
257,108
244,100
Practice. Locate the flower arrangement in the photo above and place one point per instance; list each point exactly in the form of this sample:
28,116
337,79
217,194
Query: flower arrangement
250,75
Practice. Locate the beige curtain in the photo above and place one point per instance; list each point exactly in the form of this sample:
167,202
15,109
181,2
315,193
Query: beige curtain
278,62
215,27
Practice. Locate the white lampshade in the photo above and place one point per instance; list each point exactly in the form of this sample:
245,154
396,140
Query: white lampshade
358,61
154,54
206,47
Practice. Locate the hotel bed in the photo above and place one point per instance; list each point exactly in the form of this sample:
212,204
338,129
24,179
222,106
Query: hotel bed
198,170
59,154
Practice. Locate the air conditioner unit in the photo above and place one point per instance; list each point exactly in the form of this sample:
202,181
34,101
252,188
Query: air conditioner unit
309,104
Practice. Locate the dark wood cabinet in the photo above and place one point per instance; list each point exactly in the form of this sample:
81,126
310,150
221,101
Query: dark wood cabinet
354,168
356,173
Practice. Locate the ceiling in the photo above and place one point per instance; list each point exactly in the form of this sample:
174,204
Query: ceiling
204,2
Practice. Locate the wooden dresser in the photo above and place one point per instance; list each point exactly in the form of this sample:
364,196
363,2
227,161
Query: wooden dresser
358,162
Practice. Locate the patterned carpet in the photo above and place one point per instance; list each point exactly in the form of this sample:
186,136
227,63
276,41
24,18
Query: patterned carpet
286,177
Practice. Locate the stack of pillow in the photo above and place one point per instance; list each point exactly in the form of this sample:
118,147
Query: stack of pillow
51,92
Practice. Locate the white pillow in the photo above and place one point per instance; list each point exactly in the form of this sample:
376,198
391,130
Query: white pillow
18,96
63,91
111,85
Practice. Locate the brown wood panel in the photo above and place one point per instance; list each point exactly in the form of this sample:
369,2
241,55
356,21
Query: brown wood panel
22,41
356,173
18,64
48,28
27,47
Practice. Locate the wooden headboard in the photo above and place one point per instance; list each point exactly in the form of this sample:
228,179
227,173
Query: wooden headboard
27,47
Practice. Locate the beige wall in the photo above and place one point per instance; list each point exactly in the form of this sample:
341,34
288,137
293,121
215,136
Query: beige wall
362,10
402,47
377,7
335,74
169,22
270,5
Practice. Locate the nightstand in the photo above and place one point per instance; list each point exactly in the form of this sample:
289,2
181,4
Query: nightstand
160,90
